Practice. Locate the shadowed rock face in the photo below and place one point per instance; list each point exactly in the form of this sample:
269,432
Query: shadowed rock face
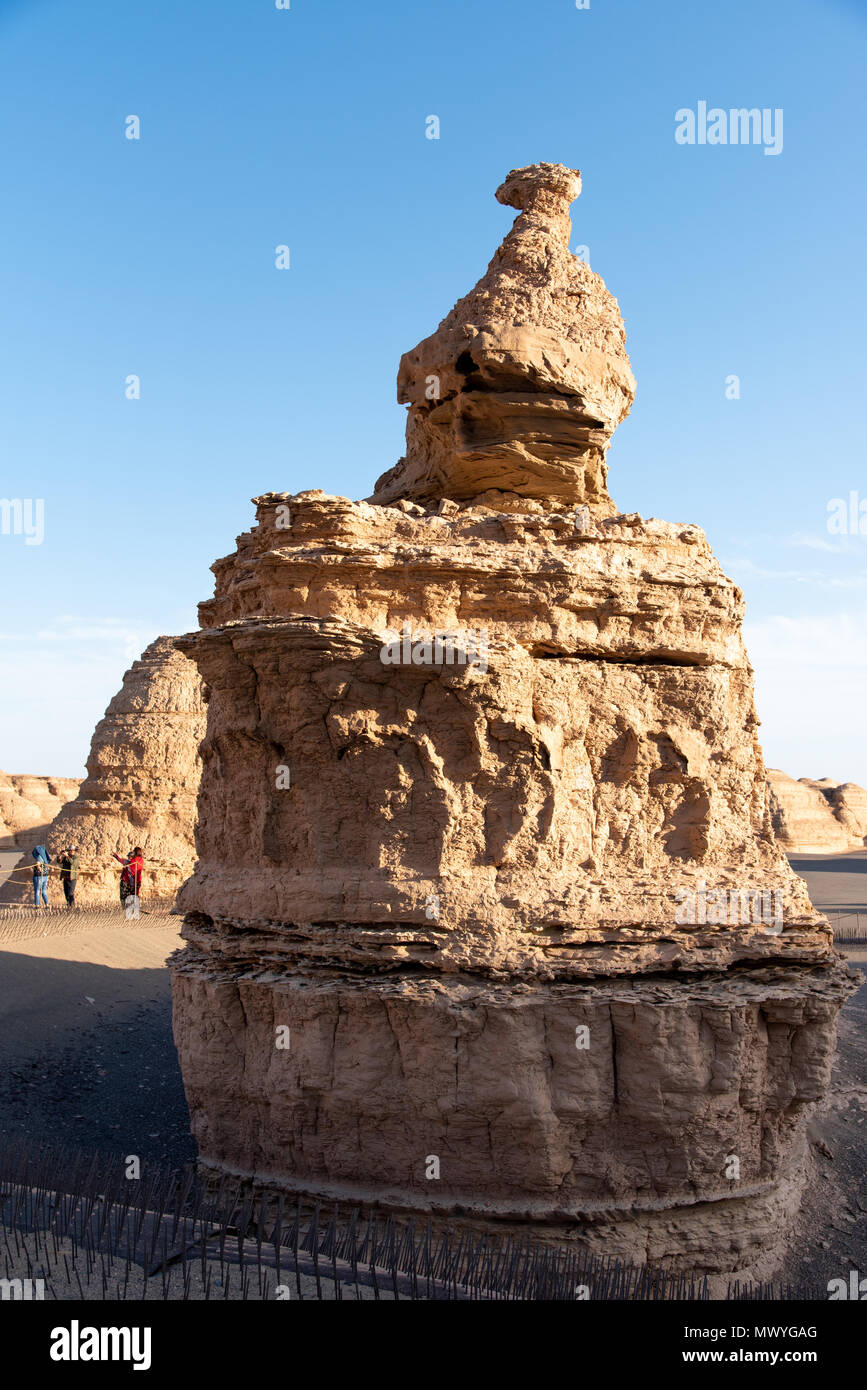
142,780
523,384
522,913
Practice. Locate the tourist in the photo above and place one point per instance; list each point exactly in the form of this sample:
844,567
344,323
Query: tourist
41,860
130,878
69,874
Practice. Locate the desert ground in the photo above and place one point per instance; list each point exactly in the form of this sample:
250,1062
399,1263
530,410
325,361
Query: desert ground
85,1032
87,1058
837,882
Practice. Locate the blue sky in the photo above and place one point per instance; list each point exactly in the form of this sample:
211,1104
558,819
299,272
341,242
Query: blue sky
306,127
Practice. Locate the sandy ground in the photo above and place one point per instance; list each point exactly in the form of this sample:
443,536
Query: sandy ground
86,1050
837,882
87,1059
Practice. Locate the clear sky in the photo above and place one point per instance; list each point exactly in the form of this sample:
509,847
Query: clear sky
306,127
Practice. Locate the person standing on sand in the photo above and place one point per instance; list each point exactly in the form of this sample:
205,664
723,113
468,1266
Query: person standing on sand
130,878
41,860
69,874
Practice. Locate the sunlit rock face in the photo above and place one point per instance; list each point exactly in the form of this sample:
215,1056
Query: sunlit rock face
523,384
141,786
484,824
28,805
817,817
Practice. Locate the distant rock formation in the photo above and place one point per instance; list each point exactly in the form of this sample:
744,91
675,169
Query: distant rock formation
817,817
849,804
488,915
142,779
28,805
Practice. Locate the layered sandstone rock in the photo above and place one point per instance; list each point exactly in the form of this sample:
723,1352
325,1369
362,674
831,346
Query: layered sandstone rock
483,824
28,805
849,803
523,384
817,817
142,780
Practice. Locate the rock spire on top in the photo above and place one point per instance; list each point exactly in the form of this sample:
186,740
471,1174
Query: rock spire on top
523,384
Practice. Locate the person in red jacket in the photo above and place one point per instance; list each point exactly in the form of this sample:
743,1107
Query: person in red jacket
130,878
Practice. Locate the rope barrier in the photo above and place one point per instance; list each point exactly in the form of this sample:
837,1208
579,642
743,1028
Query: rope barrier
54,868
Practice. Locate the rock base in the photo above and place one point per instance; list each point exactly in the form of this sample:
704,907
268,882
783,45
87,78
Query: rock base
658,1120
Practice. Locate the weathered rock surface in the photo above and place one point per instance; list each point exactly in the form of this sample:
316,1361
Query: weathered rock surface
523,384
28,805
849,803
516,897
625,1145
142,780
817,817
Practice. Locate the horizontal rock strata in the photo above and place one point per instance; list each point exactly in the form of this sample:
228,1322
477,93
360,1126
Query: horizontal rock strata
489,915
550,794
624,1144
817,817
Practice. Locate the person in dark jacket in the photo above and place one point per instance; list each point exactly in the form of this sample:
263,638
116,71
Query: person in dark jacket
41,860
69,874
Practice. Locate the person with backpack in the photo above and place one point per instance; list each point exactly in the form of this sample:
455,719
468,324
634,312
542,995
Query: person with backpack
41,860
130,878
69,874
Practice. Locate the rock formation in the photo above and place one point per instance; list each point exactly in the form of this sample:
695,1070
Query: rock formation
142,779
849,804
488,915
28,805
817,817
523,384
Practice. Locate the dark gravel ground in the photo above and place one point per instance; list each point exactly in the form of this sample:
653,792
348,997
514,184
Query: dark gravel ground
87,1058
115,1088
